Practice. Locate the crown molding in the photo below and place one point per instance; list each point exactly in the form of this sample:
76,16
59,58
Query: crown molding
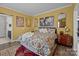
52,10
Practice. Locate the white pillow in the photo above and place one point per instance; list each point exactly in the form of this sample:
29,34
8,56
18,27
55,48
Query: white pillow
43,30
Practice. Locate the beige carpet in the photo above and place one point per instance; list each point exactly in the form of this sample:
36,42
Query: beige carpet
4,40
9,50
64,51
59,51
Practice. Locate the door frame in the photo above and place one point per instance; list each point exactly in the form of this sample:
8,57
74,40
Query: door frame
6,26
75,24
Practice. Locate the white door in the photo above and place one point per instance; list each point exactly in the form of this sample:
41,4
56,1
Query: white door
9,27
2,26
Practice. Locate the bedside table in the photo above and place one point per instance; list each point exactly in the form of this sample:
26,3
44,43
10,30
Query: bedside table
65,40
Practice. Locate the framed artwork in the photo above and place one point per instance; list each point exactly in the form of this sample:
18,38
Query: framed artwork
35,21
28,22
19,21
47,21
61,20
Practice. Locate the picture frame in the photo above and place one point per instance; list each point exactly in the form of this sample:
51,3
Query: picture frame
28,22
19,21
46,21
35,22
62,20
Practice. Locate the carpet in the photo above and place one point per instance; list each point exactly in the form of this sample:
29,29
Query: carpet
64,51
59,51
9,49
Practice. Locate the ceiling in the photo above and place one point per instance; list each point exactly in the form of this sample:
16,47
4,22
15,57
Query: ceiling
33,8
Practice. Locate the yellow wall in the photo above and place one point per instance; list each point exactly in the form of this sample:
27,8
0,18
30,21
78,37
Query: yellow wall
69,17
17,30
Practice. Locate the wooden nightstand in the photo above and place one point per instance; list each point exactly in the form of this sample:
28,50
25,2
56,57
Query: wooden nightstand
65,39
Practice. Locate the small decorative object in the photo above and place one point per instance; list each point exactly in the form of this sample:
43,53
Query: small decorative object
47,21
19,21
61,20
61,32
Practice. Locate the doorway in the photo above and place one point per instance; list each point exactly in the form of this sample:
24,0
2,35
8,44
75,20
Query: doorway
5,28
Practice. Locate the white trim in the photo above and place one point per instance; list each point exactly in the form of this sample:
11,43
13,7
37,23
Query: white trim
52,10
75,39
15,10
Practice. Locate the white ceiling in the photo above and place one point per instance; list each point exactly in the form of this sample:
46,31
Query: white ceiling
33,8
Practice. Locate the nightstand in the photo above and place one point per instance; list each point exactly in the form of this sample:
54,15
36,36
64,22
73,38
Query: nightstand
65,39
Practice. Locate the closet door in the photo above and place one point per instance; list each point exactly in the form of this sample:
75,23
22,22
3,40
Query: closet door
2,26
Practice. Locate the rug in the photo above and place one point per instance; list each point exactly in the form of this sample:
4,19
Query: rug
9,49
64,51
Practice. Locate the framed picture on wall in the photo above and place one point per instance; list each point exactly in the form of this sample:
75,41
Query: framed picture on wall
28,22
62,20
47,21
35,21
19,21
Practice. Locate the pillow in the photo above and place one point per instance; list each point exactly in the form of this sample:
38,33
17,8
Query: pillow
51,30
43,30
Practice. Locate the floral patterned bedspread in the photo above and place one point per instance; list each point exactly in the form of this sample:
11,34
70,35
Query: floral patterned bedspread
38,42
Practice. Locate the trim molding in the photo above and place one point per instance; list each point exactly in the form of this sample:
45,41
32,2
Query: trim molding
15,10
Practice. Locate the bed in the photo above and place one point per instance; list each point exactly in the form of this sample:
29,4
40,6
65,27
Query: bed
40,42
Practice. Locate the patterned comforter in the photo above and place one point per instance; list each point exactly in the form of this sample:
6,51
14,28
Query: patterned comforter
38,42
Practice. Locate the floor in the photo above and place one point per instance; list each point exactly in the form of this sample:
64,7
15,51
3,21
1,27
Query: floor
4,40
11,48
64,51
9,51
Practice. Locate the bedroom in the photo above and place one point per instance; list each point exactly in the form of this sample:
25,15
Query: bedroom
31,31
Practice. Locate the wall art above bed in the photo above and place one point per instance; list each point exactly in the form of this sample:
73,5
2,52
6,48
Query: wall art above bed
46,22
19,21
